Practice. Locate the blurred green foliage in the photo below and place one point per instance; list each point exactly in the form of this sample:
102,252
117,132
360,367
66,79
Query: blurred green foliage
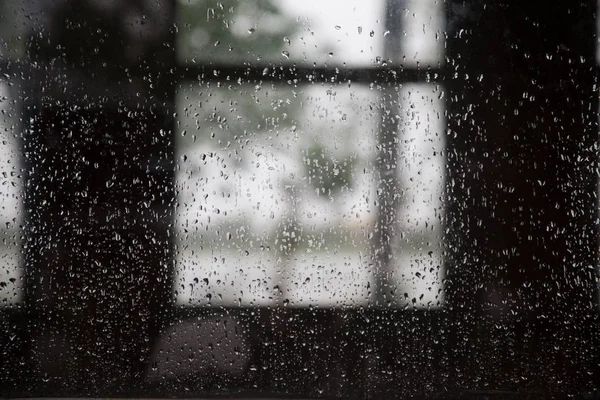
325,173
12,29
232,30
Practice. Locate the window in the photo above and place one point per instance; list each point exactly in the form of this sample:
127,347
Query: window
315,199
292,164
282,180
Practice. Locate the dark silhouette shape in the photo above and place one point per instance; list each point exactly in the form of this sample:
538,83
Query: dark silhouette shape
99,194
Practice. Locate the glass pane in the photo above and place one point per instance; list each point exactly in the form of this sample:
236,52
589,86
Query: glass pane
307,33
421,173
11,288
172,232
274,194
422,25
277,195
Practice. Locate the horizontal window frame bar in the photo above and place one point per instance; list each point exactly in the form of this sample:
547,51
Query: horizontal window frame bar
248,73
303,75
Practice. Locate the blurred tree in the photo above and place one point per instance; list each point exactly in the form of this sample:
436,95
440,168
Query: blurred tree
232,31
325,173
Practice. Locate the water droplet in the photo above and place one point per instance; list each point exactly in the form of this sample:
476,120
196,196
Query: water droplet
286,54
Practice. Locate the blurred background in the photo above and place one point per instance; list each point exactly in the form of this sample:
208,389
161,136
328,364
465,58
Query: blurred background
289,159
341,199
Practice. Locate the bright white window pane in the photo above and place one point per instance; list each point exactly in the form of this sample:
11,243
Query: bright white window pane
310,32
422,24
276,195
337,31
260,218
11,290
421,170
307,32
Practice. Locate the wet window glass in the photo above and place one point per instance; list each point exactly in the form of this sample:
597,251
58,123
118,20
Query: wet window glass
308,33
278,195
11,203
285,199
